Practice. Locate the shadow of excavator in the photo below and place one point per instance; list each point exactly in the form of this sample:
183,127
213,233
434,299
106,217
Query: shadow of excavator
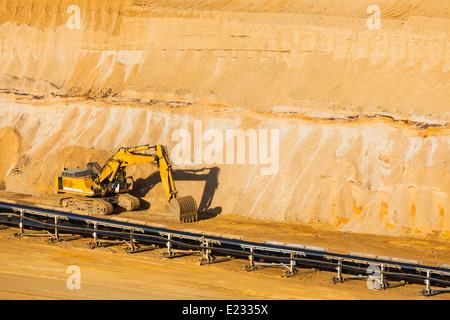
210,175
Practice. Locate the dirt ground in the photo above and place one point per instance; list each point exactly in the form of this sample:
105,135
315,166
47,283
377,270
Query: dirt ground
351,108
431,251
31,268
34,269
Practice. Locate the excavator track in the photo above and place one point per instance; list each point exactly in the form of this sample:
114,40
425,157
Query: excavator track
128,202
93,205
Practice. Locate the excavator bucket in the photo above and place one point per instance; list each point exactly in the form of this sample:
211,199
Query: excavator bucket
184,208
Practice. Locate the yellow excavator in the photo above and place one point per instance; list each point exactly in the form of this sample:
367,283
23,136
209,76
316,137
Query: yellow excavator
98,188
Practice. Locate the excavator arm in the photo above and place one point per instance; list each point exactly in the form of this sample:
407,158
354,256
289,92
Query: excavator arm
183,207
165,171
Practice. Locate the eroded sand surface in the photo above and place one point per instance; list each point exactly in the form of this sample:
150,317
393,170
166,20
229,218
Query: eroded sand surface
357,120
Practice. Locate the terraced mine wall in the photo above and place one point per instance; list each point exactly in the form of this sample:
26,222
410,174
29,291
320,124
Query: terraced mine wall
285,110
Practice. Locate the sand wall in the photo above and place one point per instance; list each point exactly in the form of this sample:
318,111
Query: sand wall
371,175
357,119
257,60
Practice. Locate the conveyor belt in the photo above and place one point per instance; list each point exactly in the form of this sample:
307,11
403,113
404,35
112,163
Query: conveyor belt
376,269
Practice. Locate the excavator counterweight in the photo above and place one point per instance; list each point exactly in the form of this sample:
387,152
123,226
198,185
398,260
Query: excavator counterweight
96,188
